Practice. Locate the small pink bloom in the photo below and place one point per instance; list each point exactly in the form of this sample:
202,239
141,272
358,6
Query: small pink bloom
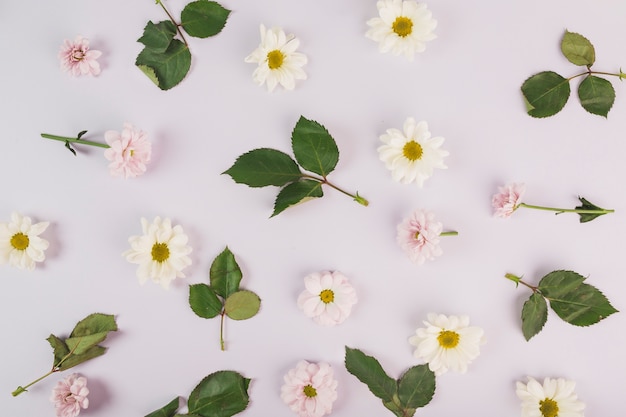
129,151
418,235
328,297
77,59
310,389
507,199
70,395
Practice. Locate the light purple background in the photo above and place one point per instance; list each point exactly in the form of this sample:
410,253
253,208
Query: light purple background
466,85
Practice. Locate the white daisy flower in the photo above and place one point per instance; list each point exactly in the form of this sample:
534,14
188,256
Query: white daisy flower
403,27
279,63
412,155
328,297
161,252
20,244
447,342
556,398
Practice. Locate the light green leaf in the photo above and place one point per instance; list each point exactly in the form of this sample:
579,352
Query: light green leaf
545,94
596,95
577,49
73,360
314,148
168,410
90,331
220,394
170,66
369,371
558,283
203,18
416,387
587,205
158,37
582,306
297,192
263,167
225,274
242,305
534,315
149,72
204,301
79,345
395,408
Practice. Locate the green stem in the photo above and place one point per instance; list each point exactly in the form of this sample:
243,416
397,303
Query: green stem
450,233
74,140
222,345
160,3
562,210
323,180
21,389
518,280
620,75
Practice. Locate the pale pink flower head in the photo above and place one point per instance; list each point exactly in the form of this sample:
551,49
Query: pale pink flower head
418,236
129,151
70,395
328,297
507,199
310,389
77,59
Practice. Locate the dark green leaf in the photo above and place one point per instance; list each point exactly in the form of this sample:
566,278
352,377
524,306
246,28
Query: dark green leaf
158,37
74,360
242,305
297,192
169,67
203,18
534,315
68,145
577,49
60,349
558,283
80,134
263,167
203,301
221,394
596,95
225,274
314,148
545,94
167,411
587,205
416,387
368,370
583,306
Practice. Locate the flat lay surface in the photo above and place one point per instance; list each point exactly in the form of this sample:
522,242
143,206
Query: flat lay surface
465,85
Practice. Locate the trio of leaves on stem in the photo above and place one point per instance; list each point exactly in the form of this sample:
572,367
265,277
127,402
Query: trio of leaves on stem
220,394
165,59
315,151
413,390
571,299
223,297
546,93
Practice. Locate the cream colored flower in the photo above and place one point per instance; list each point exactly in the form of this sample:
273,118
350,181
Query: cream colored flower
555,398
20,244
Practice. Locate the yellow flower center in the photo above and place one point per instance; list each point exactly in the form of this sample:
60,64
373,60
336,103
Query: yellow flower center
78,55
309,391
275,59
160,252
448,339
402,26
549,408
416,236
327,296
20,241
412,151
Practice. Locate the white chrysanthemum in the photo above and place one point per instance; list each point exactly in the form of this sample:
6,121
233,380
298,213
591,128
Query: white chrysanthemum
447,342
556,398
278,61
328,297
161,252
20,244
412,155
403,27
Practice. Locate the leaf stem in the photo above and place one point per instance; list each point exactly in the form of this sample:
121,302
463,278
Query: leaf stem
74,140
22,389
562,210
159,2
323,180
449,233
589,72
518,280
222,345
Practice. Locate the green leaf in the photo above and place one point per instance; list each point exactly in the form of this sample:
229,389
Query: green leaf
221,394
534,315
168,410
225,274
73,360
596,95
81,344
90,331
314,148
582,306
204,301
169,67
394,407
416,387
587,205
242,305
203,18
558,283
158,37
297,192
368,370
263,167
59,347
545,94
577,49
149,72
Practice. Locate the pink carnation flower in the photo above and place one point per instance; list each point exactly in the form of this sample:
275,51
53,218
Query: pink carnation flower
328,297
129,151
419,235
310,389
77,59
70,395
507,199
